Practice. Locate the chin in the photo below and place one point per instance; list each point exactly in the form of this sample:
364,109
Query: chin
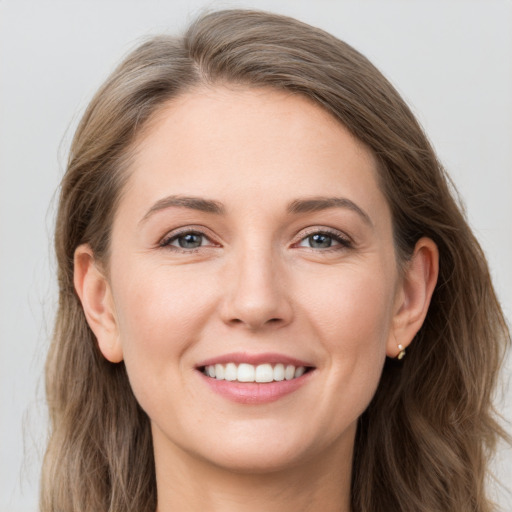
267,449
256,459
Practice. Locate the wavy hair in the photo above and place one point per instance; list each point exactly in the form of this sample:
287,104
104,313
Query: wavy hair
426,439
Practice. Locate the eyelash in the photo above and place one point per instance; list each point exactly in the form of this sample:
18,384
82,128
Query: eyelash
167,240
342,241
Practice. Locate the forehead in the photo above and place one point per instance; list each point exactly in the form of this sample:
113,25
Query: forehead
232,142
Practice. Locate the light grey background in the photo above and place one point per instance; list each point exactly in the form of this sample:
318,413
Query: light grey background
452,61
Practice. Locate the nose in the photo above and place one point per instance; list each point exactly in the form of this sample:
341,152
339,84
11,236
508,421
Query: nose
256,294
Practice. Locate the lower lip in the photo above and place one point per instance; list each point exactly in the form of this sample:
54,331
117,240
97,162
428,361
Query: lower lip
255,392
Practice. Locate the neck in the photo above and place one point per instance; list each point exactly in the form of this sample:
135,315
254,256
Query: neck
185,482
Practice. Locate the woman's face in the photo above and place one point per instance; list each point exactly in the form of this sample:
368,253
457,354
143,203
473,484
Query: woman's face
252,241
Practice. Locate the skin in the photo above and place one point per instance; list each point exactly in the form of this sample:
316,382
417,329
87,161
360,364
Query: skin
254,285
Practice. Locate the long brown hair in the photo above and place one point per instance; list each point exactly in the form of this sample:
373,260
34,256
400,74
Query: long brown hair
425,441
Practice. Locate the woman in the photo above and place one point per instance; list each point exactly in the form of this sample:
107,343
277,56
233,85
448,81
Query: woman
253,231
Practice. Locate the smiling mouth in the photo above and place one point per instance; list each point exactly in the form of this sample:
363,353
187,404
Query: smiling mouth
262,373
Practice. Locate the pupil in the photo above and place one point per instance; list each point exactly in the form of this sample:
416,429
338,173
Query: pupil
320,241
190,241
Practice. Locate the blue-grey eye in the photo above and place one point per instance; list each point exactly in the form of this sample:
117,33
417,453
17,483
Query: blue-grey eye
320,241
188,240
324,240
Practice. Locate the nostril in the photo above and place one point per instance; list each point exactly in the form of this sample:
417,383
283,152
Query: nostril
236,321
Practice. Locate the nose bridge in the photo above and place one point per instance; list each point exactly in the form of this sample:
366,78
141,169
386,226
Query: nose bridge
257,294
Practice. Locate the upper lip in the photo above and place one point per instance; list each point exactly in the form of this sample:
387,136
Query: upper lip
254,359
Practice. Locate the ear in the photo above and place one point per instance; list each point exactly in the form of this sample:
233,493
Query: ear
95,295
414,294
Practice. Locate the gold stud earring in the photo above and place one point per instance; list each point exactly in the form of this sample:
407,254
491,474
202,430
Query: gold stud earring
401,354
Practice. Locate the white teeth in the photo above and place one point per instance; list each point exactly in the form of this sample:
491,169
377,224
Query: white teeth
245,373
249,373
289,373
279,372
299,371
264,373
219,372
230,372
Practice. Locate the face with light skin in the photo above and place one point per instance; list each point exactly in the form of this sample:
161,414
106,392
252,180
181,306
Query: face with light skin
252,223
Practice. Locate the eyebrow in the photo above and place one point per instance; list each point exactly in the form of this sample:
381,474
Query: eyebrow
190,202
316,204
298,206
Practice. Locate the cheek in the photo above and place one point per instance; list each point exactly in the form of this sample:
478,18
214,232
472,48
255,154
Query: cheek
352,317
157,303
160,314
352,311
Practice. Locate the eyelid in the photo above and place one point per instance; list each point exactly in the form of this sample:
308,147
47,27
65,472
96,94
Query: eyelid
342,238
172,235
